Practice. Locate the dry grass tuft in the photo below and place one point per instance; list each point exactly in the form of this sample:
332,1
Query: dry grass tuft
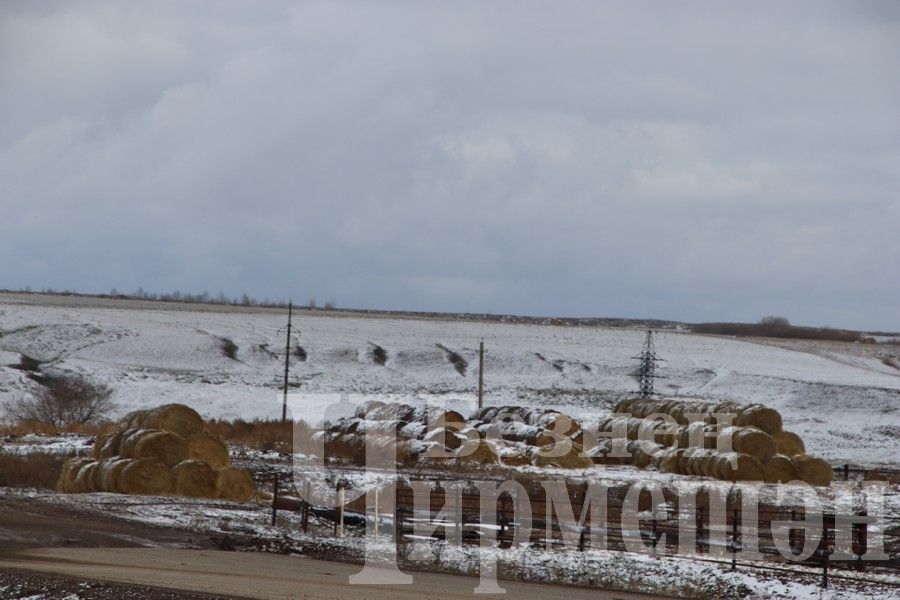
265,435
36,470
38,428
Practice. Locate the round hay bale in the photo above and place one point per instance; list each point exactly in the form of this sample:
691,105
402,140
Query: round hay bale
234,484
84,480
720,466
486,414
164,446
750,440
112,471
349,448
99,441
748,467
780,469
482,453
194,479
128,440
762,417
111,445
394,411
366,407
133,420
788,443
70,468
669,461
176,418
208,448
642,454
447,438
813,471
146,477
571,456
448,417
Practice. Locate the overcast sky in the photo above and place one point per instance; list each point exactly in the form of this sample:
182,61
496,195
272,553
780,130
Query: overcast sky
672,160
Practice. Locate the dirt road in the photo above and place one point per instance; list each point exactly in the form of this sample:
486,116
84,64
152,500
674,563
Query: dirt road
263,576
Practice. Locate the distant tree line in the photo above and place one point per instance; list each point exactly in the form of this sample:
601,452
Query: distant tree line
777,327
178,296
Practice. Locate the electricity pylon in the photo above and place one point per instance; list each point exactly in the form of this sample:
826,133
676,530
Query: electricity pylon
646,371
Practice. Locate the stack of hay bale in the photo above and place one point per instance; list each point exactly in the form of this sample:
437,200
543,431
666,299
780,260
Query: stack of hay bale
763,451
494,436
161,451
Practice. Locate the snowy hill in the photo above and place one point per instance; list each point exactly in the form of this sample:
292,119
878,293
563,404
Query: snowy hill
841,398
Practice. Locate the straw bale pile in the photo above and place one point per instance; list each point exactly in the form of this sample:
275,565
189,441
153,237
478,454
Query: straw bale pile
161,451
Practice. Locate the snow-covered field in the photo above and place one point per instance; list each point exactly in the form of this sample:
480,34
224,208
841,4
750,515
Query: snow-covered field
841,398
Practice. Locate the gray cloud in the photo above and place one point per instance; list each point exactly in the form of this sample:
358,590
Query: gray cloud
694,162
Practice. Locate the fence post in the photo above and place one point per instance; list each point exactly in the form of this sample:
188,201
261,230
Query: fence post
825,554
305,519
792,533
376,514
275,500
734,539
398,522
699,527
863,529
340,519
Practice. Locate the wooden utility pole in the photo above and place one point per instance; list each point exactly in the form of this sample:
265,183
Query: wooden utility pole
481,374
287,363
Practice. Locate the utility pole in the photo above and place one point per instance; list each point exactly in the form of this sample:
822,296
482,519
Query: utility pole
481,374
287,363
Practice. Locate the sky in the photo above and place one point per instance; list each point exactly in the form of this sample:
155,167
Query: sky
696,161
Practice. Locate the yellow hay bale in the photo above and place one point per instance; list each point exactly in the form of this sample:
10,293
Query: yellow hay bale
570,456
164,446
133,420
813,471
748,468
111,446
780,469
513,454
68,473
112,471
129,438
538,437
176,418
669,461
763,417
208,448
194,479
642,454
448,417
478,453
788,443
234,484
750,440
86,477
145,477
447,438
719,466
99,441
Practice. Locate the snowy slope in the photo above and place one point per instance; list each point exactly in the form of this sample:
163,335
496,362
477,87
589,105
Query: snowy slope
841,398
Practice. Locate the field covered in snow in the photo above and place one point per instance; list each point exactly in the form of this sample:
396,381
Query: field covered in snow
841,398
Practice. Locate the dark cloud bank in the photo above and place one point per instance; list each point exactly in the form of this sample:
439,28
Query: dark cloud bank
708,162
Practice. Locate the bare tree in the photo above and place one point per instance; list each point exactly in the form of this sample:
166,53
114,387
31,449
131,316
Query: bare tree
775,321
63,400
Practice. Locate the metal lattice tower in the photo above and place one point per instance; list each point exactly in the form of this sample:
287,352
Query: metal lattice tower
646,371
